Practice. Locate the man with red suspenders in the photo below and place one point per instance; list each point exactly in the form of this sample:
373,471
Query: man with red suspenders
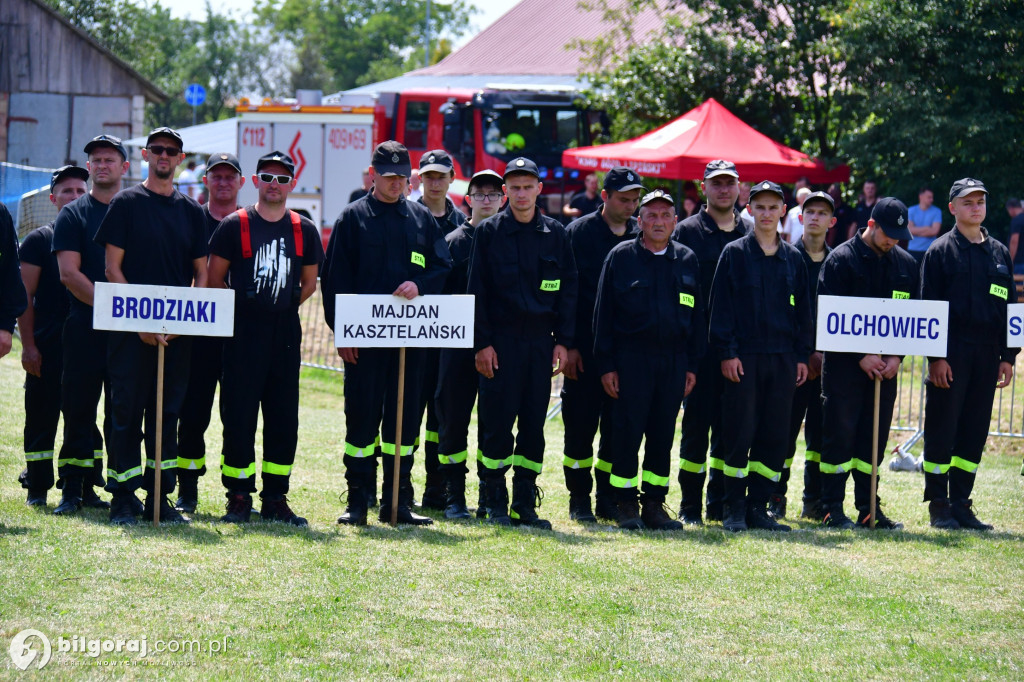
273,257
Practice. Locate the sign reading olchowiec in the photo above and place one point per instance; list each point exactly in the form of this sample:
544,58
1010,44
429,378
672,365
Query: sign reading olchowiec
382,321
186,311
885,326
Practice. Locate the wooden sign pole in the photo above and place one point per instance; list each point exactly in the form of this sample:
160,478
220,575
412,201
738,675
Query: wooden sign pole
398,436
874,453
158,466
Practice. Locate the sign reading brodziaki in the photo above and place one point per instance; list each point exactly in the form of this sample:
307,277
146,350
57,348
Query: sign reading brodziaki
187,311
382,321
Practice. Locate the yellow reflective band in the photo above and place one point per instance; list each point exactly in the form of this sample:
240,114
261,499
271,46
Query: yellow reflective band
570,463
520,461
812,456
788,463
999,291
734,472
792,300
233,472
165,464
191,464
276,469
842,468
759,468
430,437
655,479
366,451
97,454
40,456
900,294
620,482
716,463
933,468
686,299
964,465
692,467
389,449
494,463
75,462
601,465
418,259
860,465
122,477
454,458
551,285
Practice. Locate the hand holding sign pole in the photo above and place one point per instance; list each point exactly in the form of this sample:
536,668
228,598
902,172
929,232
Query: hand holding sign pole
182,311
885,326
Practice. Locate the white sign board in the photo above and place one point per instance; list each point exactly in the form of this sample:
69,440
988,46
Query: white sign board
372,321
885,326
187,311
1015,325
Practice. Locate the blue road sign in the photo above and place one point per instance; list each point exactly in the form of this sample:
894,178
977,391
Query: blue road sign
195,94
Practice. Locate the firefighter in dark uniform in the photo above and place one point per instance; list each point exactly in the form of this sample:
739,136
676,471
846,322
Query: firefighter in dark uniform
457,377
760,328
524,279
12,292
585,405
870,265
223,179
706,233
273,256
382,244
436,175
41,350
817,217
974,273
649,336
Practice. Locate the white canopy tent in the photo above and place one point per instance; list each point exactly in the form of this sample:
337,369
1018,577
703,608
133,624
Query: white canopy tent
205,138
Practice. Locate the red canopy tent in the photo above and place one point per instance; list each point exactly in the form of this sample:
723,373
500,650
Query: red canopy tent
679,151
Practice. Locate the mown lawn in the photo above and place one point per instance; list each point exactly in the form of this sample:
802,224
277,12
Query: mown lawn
470,601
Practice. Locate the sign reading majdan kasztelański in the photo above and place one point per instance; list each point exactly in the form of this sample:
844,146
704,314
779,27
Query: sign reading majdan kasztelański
382,321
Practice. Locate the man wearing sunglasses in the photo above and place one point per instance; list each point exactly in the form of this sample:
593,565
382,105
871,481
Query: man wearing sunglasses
271,256
153,234
223,179
382,244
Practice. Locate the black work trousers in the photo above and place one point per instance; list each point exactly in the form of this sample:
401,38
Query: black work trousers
586,409
520,390
651,388
702,416
431,360
42,414
457,386
133,368
204,373
755,433
849,409
84,378
956,420
807,412
261,371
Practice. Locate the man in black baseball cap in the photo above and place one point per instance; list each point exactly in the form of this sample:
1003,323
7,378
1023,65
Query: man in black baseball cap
107,141
585,405
974,273
278,158
391,159
166,133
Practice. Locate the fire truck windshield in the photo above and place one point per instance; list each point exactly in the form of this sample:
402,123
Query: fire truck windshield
540,133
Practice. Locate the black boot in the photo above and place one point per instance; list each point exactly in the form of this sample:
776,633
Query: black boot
882,522
167,513
627,510
526,499
90,498
691,505
358,497
70,497
579,484
405,514
188,492
964,515
941,513
836,518
777,506
481,499
655,515
275,508
122,509
496,501
371,487
605,504
734,516
239,507
455,495
579,508
434,496
812,510
759,518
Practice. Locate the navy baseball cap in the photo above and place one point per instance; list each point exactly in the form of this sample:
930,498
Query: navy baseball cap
890,214
720,167
437,160
65,172
522,165
622,179
824,197
966,186
657,195
484,177
107,141
391,158
767,186
165,132
276,157
223,159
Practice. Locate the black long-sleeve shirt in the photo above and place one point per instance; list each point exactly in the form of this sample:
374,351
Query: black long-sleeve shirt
649,302
375,246
813,270
702,235
524,278
977,280
13,300
759,303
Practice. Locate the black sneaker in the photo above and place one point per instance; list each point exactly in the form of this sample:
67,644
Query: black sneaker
759,518
777,506
35,498
168,514
188,493
882,522
656,517
121,510
964,515
91,499
239,508
277,509
579,509
941,514
835,517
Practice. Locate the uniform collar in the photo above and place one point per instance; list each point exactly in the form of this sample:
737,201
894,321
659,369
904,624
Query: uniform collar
963,242
756,246
377,206
513,225
709,225
449,208
638,244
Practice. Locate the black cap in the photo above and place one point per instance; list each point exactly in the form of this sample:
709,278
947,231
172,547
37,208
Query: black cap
165,132
223,159
486,175
437,160
622,179
107,141
890,214
655,196
276,157
522,164
966,186
720,167
65,172
1013,202
766,186
821,196
391,158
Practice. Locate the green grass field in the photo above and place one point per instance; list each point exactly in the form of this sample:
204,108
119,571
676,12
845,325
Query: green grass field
467,601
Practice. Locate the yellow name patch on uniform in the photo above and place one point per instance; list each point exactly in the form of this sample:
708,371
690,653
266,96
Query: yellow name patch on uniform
999,291
419,260
792,300
901,294
551,285
686,299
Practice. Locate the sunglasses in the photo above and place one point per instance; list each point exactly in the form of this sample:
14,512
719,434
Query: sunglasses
270,177
159,150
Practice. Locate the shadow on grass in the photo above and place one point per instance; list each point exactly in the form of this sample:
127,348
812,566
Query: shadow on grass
13,530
